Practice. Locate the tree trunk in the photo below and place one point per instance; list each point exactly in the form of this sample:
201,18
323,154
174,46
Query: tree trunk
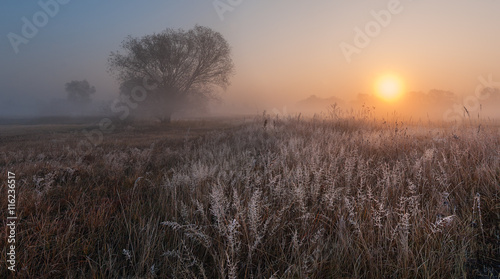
166,118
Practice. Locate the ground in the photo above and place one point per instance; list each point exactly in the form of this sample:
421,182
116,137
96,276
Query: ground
270,197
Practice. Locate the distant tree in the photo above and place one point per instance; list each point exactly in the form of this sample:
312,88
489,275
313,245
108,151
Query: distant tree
183,65
442,96
79,92
490,93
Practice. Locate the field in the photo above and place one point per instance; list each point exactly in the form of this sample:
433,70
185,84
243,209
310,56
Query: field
274,197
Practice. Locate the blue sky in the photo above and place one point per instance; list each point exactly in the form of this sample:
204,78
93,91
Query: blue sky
283,50
76,42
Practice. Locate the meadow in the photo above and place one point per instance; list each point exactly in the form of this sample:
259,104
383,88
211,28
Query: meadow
274,197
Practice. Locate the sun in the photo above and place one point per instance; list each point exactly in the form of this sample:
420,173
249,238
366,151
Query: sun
389,87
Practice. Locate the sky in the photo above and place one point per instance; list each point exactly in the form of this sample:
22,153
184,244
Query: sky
283,50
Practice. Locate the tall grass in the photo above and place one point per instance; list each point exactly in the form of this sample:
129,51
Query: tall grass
275,198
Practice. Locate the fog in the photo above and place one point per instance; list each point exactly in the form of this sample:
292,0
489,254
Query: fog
288,55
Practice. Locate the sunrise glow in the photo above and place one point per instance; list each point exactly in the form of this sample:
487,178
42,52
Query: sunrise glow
389,87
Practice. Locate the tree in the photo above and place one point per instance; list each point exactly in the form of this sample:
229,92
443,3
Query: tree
79,91
442,96
181,64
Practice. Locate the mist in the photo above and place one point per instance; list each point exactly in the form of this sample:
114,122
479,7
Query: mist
280,62
250,139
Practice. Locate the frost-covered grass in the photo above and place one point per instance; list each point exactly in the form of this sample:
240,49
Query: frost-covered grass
282,198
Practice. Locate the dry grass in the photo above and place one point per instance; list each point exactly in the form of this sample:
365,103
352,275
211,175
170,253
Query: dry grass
274,198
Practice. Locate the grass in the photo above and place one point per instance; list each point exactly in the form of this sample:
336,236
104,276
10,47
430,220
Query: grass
273,198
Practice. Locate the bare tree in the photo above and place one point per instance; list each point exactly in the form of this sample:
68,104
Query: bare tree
181,64
79,91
